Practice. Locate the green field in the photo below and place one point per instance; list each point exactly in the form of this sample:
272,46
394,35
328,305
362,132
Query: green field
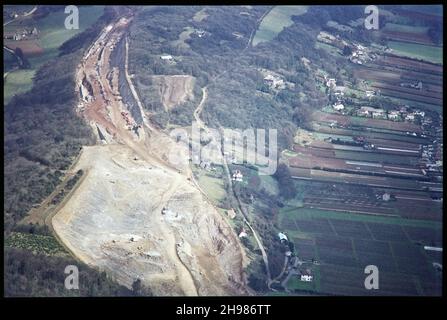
52,35
275,21
394,27
417,51
427,9
211,183
308,213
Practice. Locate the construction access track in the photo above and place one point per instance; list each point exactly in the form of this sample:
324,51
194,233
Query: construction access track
137,215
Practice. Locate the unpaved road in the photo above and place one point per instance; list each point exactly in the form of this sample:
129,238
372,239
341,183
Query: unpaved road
202,125
115,219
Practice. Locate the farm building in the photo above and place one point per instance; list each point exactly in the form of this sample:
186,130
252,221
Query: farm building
393,115
274,82
200,33
243,234
331,82
237,176
166,57
338,106
366,111
378,113
369,93
282,237
306,278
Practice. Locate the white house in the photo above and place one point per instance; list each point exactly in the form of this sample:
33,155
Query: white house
274,82
331,83
166,57
369,93
237,176
366,111
378,113
338,106
282,236
243,234
393,115
307,278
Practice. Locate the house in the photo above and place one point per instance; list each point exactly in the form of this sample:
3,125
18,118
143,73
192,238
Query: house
237,176
231,213
282,237
243,234
306,278
378,113
166,57
386,196
393,115
331,83
338,106
274,82
366,111
200,33
369,93
419,113
410,117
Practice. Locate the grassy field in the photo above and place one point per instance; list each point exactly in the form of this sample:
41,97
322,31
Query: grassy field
52,35
275,21
395,27
427,9
16,82
269,184
417,51
307,213
210,182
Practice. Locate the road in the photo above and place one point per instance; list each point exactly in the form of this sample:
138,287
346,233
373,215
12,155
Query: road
24,15
197,113
202,125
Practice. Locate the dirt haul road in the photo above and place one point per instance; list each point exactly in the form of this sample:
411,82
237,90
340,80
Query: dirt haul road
136,215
